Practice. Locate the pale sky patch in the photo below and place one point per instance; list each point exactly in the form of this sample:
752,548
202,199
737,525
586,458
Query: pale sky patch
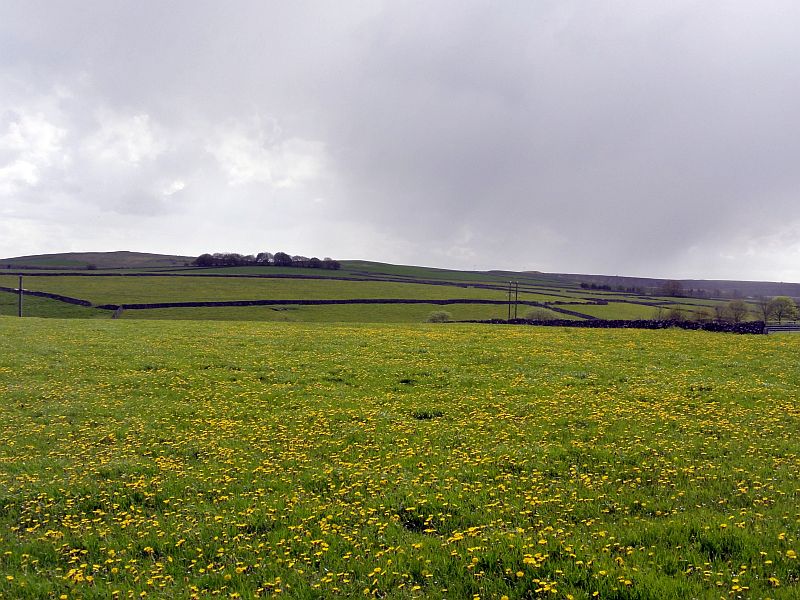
247,152
125,140
29,145
173,187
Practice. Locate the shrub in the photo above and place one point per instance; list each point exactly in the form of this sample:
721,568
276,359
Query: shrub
738,310
439,316
676,314
703,315
538,314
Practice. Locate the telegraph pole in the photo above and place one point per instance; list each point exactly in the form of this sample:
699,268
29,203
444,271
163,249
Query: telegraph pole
509,300
516,297
19,309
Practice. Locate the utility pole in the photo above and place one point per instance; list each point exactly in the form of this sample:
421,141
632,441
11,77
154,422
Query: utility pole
516,297
509,300
19,309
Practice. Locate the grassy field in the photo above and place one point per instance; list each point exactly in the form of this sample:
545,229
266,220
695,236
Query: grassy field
178,459
120,290
341,313
344,313
44,307
374,281
618,310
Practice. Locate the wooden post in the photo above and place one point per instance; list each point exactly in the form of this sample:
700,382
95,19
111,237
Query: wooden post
19,309
509,301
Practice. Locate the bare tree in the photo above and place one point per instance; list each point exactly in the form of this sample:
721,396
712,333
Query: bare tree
676,314
721,313
762,302
738,310
703,315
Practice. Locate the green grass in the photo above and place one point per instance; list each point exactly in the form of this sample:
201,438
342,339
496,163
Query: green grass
616,310
215,459
121,290
696,302
372,285
33,306
343,313
629,311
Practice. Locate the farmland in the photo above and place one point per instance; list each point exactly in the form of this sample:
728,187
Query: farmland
241,459
477,295
339,313
119,290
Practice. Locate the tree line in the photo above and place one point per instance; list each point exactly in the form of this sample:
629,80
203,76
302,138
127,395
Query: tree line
279,259
779,308
670,287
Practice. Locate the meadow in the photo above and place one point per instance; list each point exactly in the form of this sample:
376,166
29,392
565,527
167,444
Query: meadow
239,459
357,280
151,289
46,307
336,313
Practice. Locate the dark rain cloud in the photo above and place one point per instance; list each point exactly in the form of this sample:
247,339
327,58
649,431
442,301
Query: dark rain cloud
618,137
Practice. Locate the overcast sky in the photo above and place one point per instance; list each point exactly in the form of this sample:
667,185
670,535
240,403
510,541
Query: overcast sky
632,138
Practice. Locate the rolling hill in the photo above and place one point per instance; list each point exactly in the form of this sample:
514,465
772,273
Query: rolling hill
154,286
101,260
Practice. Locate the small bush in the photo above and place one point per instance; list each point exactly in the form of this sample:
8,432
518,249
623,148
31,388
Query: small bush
439,316
676,314
703,315
538,314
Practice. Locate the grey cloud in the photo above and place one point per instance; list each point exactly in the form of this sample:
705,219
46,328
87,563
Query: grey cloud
635,138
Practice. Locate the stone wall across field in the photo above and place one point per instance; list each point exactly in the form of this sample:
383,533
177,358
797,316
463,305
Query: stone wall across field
59,297
752,327
301,302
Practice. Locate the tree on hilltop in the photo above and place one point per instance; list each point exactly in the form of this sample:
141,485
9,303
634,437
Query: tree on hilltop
264,258
204,260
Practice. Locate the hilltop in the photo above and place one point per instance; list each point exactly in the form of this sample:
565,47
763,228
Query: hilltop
121,259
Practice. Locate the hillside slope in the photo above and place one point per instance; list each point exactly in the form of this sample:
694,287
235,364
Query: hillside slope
102,260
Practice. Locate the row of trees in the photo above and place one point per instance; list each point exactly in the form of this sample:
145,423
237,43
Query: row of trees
779,308
609,288
279,259
671,288
676,290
